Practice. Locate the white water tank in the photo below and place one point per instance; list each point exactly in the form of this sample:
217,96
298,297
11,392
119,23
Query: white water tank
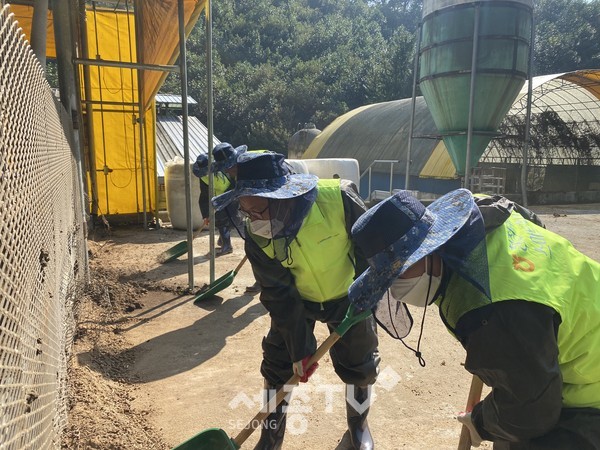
175,193
346,168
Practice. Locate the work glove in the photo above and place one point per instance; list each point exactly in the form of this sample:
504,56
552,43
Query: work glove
465,419
302,371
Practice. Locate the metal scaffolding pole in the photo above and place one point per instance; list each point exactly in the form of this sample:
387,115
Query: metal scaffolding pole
125,65
89,111
467,183
38,31
186,142
527,118
209,123
63,37
412,112
139,44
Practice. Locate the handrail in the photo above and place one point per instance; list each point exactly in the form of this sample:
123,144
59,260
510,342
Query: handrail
378,161
368,169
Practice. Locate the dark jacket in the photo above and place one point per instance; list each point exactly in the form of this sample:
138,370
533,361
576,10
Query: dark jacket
279,294
512,347
224,217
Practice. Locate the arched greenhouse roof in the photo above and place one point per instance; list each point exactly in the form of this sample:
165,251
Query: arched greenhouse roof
565,122
565,125
379,132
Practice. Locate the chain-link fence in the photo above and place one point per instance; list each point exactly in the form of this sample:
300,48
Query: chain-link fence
42,249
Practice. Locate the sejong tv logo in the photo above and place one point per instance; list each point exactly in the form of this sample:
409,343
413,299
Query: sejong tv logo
302,400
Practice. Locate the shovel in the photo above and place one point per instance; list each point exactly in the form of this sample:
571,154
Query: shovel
217,439
219,284
177,250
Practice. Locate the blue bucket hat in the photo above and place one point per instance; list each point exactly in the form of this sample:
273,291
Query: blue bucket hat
400,231
265,175
225,156
200,167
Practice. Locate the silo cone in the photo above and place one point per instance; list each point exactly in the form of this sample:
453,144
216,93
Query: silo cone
445,62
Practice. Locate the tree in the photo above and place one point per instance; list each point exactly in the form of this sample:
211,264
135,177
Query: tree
278,63
567,35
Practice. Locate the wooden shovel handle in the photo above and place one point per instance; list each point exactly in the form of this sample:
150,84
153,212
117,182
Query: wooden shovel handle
464,443
257,420
353,316
239,266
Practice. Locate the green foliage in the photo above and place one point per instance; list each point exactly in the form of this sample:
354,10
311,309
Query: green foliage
567,35
51,73
280,63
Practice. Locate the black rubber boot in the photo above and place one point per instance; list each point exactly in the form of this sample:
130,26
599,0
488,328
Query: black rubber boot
273,428
358,428
225,237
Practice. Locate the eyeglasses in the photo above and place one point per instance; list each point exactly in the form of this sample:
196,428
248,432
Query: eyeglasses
253,214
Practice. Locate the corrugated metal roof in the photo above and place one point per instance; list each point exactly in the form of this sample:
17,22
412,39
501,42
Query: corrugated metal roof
169,139
378,131
173,99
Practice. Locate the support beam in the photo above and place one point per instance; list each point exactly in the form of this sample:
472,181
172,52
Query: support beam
38,31
125,65
186,142
209,124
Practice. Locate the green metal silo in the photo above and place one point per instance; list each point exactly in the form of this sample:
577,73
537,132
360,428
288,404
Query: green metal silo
473,61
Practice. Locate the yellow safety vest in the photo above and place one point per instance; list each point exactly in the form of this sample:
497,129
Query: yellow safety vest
321,256
527,262
221,183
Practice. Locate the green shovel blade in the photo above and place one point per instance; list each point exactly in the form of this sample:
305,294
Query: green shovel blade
220,283
173,253
211,439
216,286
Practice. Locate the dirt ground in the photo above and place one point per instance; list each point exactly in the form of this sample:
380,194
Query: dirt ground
151,368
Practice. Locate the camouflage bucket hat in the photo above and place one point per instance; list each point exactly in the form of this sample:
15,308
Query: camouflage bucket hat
225,156
400,231
265,175
200,167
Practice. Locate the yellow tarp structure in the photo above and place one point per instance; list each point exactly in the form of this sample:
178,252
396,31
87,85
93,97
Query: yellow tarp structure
160,36
24,15
114,93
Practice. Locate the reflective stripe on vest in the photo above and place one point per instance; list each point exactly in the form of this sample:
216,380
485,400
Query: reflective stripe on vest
527,262
319,256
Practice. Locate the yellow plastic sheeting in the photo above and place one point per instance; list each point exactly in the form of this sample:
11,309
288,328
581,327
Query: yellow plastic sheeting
24,15
439,164
119,188
587,79
118,162
160,34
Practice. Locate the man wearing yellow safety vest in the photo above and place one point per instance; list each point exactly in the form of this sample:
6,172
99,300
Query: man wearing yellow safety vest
298,242
521,300
225,156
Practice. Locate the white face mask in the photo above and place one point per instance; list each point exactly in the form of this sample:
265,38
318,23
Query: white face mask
413,291
266,228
